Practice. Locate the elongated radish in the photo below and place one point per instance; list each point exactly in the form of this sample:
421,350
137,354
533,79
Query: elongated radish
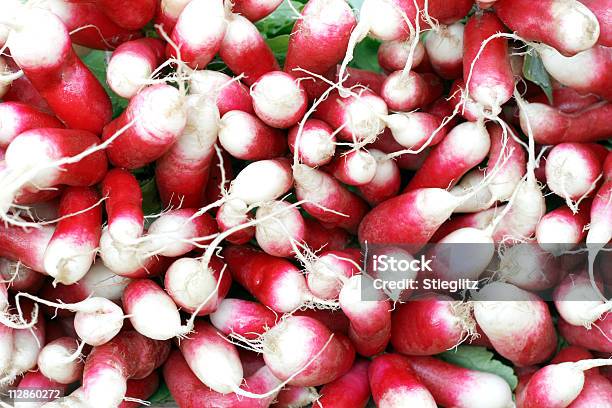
123,205
55,362
394,383
316,143
108,367
449,324
17,117
72,91
279,100
405,93
517,323
255,9
278,236
158,116
463,148
246,137
188,284
578,303
327,200
72,248
445,50
247,184
546,23
132,64
355,167
228,93
182,172
486,67
352,390
413,130
244,50
245,318
454,386
393,55
596,338
386,182
25,246
199,32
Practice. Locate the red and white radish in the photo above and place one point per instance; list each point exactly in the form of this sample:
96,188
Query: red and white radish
278,99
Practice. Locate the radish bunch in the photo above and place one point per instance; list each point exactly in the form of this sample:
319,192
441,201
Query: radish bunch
302,204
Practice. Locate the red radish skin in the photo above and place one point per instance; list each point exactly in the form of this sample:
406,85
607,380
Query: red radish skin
414,130
324,194
232,214
168,12
199,32
255,10
108,367
567,100
123,205
245,318
17,117
245,51
405,93
72,248
35,380
596,391
352,390
488,72
549,22
595,338
521,332
246,137
157,116
394,383
72,91
386,182
586,72
601,9
462,149
445,50
446,321
560,230
303,343
336,322
279,100
364,79
386,143
393,55
278,235
54,361
466,105
454,386
26,246
23,91
189,392
140,389
332,268
355,167
132,14
295,397
317,237
132,65
228,93
316,143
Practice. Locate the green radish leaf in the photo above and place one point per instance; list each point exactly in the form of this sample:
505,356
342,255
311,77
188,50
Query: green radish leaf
480,359
366,55
534,71
151,203
280,21
279,46
161,396
97,62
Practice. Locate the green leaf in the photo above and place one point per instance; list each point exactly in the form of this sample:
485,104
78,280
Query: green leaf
355,4
161,396
366,55
280,21
97,62
279,44
480,359
534,71
151,203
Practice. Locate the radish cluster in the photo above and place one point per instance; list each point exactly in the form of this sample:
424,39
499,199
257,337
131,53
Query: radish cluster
191,190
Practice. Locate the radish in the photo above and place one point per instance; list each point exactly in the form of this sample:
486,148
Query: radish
578,303
296,397
57,361
547,23
108,367
199,32
445,50
17,117
255,9
132,64
406,92
278,236
529,267
316,144
194,288
566,99
330,270
393,55
601,9
449,323
246,137
36,380
278,99
247,319
157,116
317,236
55,71
600,227
72,249
486,65
123,206
557,385
370,328
363,78
517,323
416,130
25,246
464,103
233,214
228,93
386,181
168,13
462,149
354,167
561,230
245,186
593,74
453,386
19,277
394,383
387,143
188,390
181,173
326,199
245,51
352,390
132,14
596,338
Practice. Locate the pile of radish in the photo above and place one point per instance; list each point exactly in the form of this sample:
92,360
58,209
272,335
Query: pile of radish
189,189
